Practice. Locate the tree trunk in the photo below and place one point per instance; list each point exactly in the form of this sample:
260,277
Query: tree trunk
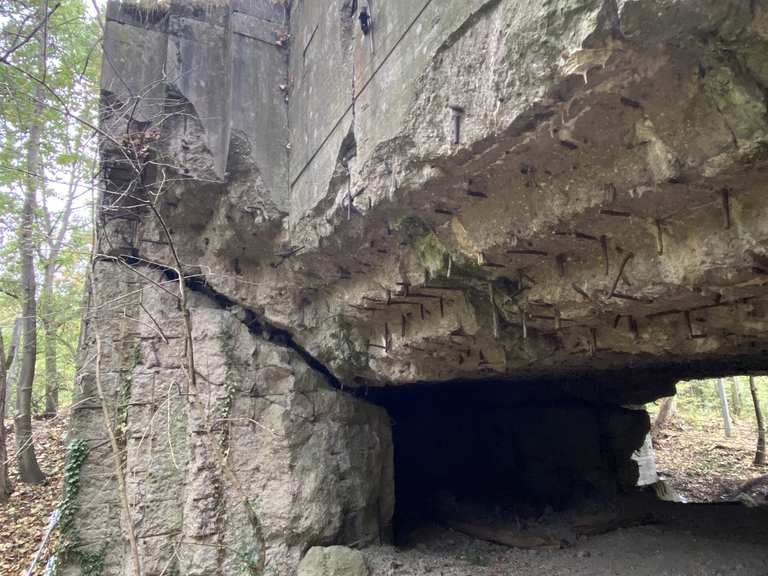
695,389
4,484
724,407
735,396
11,367
29,470
666,412
760,452
49,326
56,236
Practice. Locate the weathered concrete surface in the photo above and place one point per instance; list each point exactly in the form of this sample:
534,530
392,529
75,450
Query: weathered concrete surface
315,463
553,185
597,222
333,561
542,220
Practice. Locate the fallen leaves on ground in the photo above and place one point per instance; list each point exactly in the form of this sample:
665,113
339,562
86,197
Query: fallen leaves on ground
699,462
24,518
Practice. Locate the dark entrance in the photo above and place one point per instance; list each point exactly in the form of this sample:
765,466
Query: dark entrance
508,449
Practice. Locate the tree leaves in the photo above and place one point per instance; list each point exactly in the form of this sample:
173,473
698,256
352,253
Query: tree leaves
68,153
67,159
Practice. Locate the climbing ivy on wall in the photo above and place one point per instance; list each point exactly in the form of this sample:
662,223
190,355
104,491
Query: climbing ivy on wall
70,503
68,548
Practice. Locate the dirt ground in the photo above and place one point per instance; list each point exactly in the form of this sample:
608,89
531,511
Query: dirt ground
699,462
24,517
678,540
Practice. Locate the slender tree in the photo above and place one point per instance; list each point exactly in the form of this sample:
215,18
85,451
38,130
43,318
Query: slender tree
49,342
29,470
724,407
735,396
666,412
11,367
5,487
55,235
760,458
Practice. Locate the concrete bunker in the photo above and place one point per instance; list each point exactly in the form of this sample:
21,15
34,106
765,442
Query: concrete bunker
596,233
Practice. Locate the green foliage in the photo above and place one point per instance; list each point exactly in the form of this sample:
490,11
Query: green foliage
92,563
68,151
698,401
69,547
249,558
347,352
250,561
77,452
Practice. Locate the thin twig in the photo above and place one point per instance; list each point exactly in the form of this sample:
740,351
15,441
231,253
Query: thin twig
196,402
15,47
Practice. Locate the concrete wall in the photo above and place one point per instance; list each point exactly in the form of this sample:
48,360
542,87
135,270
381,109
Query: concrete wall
314,463
320,109
346,81
259,107
227,62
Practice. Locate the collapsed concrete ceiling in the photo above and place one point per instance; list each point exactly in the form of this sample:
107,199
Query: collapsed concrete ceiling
564,189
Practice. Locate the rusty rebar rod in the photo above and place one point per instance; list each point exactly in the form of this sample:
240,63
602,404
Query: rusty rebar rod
624,262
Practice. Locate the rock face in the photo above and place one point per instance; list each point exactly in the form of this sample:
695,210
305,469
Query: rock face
315,463
333,561
556,204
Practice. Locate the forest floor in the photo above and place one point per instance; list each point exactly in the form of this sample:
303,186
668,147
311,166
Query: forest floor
677,540
700,463
24,518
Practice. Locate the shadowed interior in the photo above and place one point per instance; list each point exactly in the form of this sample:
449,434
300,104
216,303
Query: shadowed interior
511,449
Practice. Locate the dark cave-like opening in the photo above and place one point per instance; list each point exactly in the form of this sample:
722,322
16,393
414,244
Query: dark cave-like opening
512,449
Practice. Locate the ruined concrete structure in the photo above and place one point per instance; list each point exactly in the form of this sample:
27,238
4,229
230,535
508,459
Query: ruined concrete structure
449,254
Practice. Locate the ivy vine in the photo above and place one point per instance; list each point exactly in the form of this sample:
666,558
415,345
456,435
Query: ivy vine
69,546
70,503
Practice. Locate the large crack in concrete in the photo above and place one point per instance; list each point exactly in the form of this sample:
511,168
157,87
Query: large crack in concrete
259,326
256,324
